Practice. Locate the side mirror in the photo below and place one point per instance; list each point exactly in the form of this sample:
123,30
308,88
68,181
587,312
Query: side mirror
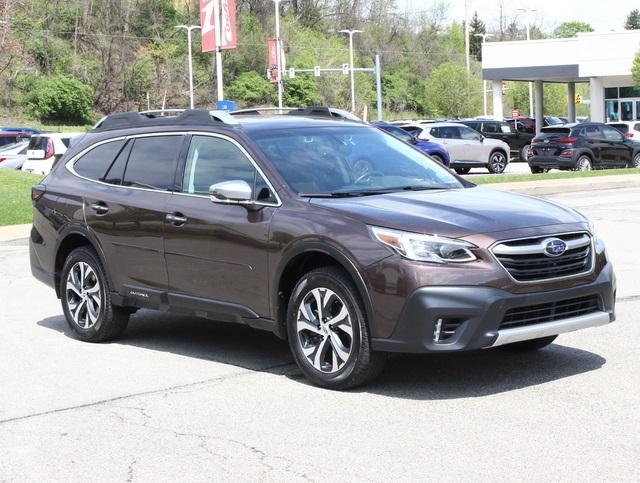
414,140
236,192
481,138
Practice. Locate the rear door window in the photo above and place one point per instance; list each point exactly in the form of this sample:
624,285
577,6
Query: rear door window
95,163
451,132
490,127
152,162
611,134
468,134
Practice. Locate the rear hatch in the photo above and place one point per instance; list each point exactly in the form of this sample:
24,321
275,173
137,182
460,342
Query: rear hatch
552,141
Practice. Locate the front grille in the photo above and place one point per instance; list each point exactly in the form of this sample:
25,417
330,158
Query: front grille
550,311
526,260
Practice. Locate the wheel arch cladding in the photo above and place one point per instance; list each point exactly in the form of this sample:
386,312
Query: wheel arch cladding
304,259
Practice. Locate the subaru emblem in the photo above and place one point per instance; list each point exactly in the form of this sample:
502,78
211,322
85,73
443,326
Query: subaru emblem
554,247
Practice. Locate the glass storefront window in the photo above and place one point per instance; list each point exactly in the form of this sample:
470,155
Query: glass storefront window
611,110
611,93
626,111
629,92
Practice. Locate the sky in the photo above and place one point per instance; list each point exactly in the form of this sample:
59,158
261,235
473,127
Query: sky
602,15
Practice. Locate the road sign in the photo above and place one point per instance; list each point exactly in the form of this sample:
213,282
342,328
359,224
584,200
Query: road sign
578,98
345,68
316,71
515,114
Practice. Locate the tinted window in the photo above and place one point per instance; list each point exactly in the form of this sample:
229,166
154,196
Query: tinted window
490,127
449,132
38,142
95,163
623,128
468,134
592,132
152,162
399,133
610,134
65,141
116,171
213,160
505,128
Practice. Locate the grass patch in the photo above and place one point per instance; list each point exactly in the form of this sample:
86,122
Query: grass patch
511,178
15,196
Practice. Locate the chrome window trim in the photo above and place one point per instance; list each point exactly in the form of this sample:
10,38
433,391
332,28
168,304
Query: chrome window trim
69,165
550,235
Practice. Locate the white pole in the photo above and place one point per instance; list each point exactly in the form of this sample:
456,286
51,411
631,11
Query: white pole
278,53
484,83
351,67
216,26
466,37
189,28
528,12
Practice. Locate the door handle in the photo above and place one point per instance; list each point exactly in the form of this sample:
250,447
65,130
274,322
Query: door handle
176,219
100,207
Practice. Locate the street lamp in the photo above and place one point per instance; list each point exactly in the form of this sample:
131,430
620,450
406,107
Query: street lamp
278,52
528,12
484,82
466,37
189,28
353,85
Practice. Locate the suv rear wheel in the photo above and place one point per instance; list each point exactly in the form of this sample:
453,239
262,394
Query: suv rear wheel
328,331
497,162
635,163
584,164
86,300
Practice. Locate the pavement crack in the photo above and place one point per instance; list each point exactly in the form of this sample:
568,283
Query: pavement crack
130,469
179,387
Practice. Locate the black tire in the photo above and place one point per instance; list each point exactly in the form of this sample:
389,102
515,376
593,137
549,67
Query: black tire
635,162
462,170
437,158
498,161
536,169
525,153
362,364
584,163
530,345
110,321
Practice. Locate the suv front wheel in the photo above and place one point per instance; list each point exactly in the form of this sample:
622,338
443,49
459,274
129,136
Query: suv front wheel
328,332
86,300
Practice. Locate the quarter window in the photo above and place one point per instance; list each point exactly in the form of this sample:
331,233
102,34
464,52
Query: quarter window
95,163
152,162
213,160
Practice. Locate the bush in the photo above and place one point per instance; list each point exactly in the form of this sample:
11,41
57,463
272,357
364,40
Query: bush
58,98
251,89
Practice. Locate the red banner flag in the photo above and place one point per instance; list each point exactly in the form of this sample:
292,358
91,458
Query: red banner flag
228,33
272,61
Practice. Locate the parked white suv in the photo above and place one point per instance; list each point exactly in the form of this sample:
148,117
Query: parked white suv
630,129
467,147
45,149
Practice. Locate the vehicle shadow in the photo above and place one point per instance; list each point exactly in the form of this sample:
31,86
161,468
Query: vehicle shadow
420,377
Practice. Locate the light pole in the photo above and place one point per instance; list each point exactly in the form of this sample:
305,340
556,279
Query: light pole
484,82
278,52
466,37
189,28
353,82
527,12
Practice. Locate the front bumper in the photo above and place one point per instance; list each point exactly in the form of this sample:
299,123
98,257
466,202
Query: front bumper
552,162
479,312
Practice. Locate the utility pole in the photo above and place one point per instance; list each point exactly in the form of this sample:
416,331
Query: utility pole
351,67
466,37
216,26
528,12
278,52
484,82
189,28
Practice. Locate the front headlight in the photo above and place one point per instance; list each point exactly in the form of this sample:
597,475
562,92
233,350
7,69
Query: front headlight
424,248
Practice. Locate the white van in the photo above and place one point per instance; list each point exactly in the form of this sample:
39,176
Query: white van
45,149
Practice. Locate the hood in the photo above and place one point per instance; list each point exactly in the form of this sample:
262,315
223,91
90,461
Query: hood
453,213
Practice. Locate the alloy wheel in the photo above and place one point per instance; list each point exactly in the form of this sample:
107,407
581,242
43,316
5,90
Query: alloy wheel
584,164
498,162
325,330
636,161
526,152
83,295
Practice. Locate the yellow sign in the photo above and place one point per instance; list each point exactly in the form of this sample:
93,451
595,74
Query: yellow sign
578,98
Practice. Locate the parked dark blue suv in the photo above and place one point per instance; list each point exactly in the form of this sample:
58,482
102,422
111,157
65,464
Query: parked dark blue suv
435,150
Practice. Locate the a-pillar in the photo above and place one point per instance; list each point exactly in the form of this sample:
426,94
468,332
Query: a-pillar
539,108
571,101
498,114
596,91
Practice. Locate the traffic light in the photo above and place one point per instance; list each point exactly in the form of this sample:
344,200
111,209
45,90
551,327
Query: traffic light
578,98
504,86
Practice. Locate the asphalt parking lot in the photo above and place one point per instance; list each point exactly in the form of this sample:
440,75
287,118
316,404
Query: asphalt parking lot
186,399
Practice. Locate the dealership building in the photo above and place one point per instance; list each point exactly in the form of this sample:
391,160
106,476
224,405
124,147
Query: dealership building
602,59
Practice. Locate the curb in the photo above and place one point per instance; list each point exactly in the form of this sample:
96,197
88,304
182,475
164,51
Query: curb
569,185
14,232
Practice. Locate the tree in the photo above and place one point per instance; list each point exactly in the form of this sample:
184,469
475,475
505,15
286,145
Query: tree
633,20
251,89
635,69
571,29
59,98
453,92
476,28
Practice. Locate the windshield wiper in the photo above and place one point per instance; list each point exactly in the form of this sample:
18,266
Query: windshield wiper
381,191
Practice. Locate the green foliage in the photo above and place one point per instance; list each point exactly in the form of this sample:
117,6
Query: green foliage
300,91
58,98
635,69
571,29
476,28
453,92
15,196
251,89
633,20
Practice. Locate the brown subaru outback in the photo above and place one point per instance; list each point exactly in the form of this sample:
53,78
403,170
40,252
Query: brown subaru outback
332,234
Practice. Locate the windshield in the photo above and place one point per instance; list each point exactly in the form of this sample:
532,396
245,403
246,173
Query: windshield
333,161
552,120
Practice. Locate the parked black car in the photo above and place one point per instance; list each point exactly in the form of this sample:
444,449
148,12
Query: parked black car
519,142
582,147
